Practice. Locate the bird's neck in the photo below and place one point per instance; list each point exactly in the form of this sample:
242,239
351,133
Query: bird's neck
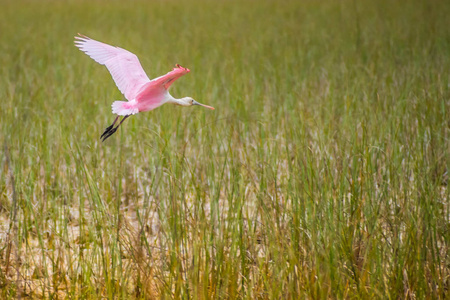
176,101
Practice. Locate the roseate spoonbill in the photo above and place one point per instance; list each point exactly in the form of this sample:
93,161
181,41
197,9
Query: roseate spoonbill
142,93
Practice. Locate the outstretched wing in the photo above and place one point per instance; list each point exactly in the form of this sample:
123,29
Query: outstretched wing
123,65
166,80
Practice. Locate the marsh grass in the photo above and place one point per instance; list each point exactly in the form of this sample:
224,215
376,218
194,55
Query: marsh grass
322,173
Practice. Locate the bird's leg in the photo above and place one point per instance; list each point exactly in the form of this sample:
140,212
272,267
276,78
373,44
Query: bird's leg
112,131
109,127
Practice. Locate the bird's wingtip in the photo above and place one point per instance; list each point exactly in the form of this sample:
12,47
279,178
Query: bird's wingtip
81,36
182,68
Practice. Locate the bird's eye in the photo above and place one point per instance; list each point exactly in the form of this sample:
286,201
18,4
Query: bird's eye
192,101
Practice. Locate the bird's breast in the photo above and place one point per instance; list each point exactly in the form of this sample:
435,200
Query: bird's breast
151,98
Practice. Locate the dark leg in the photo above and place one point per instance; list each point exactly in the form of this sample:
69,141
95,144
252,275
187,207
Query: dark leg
109,127
112,131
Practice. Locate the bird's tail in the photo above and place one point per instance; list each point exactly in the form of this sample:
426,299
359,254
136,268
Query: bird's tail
124,108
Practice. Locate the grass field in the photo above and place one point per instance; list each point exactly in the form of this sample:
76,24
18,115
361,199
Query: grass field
322,173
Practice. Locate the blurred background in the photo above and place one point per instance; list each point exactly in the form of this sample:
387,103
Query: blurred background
322,172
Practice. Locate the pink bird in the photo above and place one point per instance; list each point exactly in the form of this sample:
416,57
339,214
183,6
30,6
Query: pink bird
142,93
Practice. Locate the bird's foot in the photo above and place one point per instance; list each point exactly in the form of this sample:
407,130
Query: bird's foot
109,133
108,129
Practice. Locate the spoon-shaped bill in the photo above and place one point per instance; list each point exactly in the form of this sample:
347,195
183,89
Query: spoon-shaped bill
207,106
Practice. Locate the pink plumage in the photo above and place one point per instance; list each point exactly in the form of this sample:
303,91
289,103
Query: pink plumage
142,93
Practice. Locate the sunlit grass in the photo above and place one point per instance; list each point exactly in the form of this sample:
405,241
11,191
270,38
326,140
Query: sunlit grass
322,172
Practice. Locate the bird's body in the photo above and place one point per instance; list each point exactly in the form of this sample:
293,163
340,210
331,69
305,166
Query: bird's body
142,93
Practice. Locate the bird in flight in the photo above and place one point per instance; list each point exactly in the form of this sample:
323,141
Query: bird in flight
142,93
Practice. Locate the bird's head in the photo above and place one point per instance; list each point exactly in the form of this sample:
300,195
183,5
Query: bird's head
188,101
